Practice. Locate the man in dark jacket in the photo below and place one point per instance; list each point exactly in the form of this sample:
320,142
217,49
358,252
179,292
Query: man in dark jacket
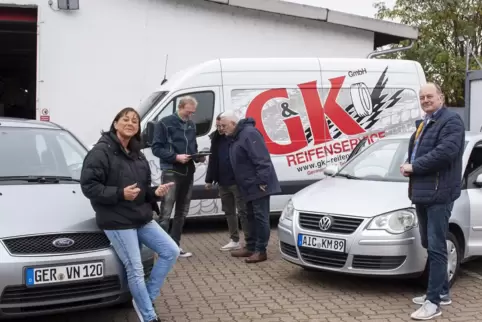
434,166
174,143
221,172
257,181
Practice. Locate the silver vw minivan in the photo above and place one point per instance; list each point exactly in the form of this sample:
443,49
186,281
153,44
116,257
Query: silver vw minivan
359,219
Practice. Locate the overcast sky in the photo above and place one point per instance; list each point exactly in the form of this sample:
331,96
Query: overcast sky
358,7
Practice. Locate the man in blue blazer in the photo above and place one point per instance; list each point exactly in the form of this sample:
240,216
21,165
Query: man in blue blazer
434,167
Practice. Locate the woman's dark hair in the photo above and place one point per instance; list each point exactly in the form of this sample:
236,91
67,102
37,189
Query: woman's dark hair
135,141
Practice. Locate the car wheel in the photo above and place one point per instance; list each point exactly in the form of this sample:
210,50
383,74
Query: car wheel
453,261
454,258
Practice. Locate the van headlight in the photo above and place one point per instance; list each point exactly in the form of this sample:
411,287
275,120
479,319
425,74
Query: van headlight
288,211
396,222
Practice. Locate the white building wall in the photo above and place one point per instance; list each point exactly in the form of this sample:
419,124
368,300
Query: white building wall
111,53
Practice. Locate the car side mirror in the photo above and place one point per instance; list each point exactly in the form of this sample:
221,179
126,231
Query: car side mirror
331,170
148,134
478,181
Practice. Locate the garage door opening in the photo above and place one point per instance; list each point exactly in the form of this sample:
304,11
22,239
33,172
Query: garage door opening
18,62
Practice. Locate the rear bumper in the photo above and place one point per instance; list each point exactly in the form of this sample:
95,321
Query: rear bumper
19,301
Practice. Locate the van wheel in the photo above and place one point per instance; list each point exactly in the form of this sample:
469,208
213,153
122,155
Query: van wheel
453,260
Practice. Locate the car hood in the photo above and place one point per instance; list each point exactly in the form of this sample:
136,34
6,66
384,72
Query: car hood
44,208
363,198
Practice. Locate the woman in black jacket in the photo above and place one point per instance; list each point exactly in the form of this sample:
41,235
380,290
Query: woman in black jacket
117,179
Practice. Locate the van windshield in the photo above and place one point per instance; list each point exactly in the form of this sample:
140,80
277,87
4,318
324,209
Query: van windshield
150,102
28,152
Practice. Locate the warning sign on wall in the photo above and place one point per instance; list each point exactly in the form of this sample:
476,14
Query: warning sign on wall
45,115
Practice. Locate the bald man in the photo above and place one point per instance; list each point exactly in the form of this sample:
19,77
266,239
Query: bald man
434,167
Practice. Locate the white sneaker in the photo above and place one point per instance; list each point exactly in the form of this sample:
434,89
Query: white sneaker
426,312
232,245
184,254
444,300
139,315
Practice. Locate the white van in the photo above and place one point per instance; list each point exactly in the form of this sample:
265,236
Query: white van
311,111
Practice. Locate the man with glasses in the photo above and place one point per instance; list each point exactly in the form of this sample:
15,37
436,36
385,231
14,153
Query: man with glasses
174,144
221,172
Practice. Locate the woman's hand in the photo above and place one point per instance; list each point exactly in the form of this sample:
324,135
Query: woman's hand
131,192
163,189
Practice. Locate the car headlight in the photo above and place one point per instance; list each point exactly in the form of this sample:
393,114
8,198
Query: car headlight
396,222
288,211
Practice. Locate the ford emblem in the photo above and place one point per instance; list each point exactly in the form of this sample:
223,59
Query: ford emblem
63,242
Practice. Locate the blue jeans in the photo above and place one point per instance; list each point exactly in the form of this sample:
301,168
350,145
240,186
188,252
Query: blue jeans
434,226
126,243
258,223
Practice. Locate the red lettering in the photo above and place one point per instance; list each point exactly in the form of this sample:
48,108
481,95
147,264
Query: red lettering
320,153
336,147
329,149
300,157
336,113
353,143
290,159
311,153
345,146
316,111
316,115
293,124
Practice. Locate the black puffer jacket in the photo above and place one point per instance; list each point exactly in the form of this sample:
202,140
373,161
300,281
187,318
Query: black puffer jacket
106,171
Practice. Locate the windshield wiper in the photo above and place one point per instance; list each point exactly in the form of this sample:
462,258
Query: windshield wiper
348,176
39,179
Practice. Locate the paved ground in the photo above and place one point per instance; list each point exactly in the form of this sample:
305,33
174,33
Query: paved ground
212,286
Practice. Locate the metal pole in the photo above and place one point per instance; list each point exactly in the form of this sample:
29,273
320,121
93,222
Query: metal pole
468,50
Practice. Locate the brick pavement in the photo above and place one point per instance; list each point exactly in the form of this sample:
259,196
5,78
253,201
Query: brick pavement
212,286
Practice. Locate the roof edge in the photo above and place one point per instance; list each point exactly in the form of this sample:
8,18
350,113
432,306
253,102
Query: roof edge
397,30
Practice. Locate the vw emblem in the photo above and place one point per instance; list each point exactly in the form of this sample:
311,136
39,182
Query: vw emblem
63,242
325,223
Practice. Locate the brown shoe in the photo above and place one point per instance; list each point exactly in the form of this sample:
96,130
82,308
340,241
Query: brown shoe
243,252
256,258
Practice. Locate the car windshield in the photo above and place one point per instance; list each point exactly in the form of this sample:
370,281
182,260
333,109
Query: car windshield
39,153
150,102
378,162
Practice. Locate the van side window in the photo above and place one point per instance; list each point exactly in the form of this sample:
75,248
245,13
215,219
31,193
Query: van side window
166,111
203,118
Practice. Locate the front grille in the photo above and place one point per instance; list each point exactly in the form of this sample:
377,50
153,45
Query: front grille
377,262
340,225
25,295
288,249
12,311
323,257
42,244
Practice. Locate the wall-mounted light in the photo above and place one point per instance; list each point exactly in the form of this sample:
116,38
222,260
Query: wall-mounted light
68,4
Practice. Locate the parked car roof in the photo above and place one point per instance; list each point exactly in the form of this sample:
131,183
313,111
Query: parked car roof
28,123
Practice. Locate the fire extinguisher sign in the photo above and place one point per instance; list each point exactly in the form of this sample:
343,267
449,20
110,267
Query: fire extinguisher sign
45,115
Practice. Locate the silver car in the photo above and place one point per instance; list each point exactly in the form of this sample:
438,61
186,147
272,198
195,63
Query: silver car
53,258
359,220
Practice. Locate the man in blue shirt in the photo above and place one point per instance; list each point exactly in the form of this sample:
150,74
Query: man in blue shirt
434,167
221,172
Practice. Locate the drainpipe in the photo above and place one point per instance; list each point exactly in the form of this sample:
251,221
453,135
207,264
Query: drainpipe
391,50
